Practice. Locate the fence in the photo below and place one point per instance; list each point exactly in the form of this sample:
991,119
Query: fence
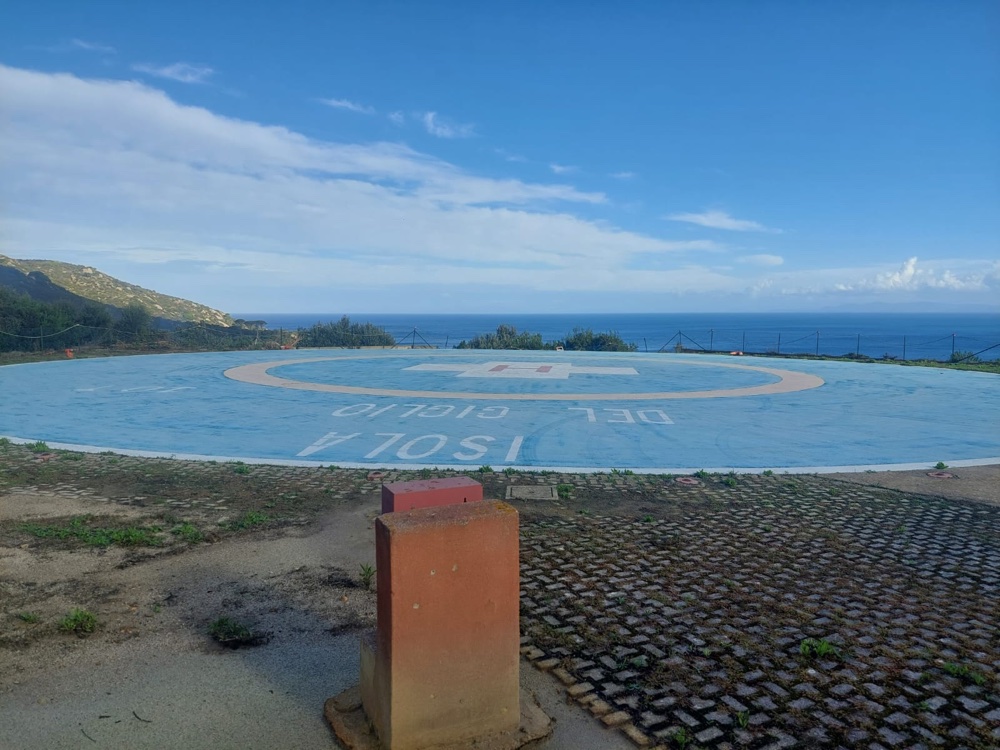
868,345
764,342
187,337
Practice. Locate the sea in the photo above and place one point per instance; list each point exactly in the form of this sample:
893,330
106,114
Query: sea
891,335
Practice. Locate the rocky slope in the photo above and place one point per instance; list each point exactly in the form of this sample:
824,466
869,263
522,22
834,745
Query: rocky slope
89,283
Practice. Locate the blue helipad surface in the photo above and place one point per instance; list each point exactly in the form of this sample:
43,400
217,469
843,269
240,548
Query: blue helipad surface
554,410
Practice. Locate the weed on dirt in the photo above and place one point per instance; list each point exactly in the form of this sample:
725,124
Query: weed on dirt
87,531
234,634
79,621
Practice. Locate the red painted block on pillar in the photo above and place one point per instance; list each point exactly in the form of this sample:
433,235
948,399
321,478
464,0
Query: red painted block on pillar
425,493
443,664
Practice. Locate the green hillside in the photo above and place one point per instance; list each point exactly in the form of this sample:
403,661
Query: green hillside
91,284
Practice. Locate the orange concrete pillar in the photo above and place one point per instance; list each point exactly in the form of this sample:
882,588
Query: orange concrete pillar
442,667
427,492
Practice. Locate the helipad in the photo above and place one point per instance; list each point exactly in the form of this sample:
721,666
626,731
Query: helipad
543,410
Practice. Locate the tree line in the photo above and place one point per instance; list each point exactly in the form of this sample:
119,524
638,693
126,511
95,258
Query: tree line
580,339
28,325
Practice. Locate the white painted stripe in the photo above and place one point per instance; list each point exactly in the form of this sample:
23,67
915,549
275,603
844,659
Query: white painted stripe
846,469
515,448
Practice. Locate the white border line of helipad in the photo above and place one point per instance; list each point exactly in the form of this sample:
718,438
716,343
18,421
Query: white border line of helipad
848,469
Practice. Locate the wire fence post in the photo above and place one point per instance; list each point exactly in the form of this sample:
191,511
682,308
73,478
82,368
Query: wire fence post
711,339
743,346
904,347
857,352
779,343
817,343
953,346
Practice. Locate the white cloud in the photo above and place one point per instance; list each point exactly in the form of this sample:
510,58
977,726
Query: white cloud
348,105
116,174
442,128
508,156
763,259
623,175
86,46
961,281
182,72
78,45
397,118
562,168
721,220
117,169
908,277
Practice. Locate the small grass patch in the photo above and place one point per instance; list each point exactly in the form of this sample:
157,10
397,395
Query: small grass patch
188,532
240,468
485,469
249,520
564,491
32,618
812,648
79,621
964,672
83,529
38,446
234,634
367,575
681,738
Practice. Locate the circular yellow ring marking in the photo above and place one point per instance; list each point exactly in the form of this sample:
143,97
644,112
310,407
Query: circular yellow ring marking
789,382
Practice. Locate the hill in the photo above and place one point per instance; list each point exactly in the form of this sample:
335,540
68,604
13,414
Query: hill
54,281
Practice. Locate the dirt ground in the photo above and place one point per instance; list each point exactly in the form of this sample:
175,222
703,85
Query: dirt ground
282,551
159,550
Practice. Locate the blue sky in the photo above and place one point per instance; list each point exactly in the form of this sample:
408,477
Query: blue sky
510,157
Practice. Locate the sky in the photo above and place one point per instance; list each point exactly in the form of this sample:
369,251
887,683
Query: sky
524,157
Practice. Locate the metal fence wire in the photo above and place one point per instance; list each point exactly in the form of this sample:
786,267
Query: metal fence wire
855,346
954,347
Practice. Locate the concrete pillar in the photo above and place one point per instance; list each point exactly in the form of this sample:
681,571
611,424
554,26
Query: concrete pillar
425,493
441,670
443,665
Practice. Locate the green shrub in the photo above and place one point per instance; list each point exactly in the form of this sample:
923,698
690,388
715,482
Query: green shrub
968,358
347,334
506,337
585,340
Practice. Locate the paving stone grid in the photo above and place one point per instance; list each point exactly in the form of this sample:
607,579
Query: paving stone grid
688,631
685,629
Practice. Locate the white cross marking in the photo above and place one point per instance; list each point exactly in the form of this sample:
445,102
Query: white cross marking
522,370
